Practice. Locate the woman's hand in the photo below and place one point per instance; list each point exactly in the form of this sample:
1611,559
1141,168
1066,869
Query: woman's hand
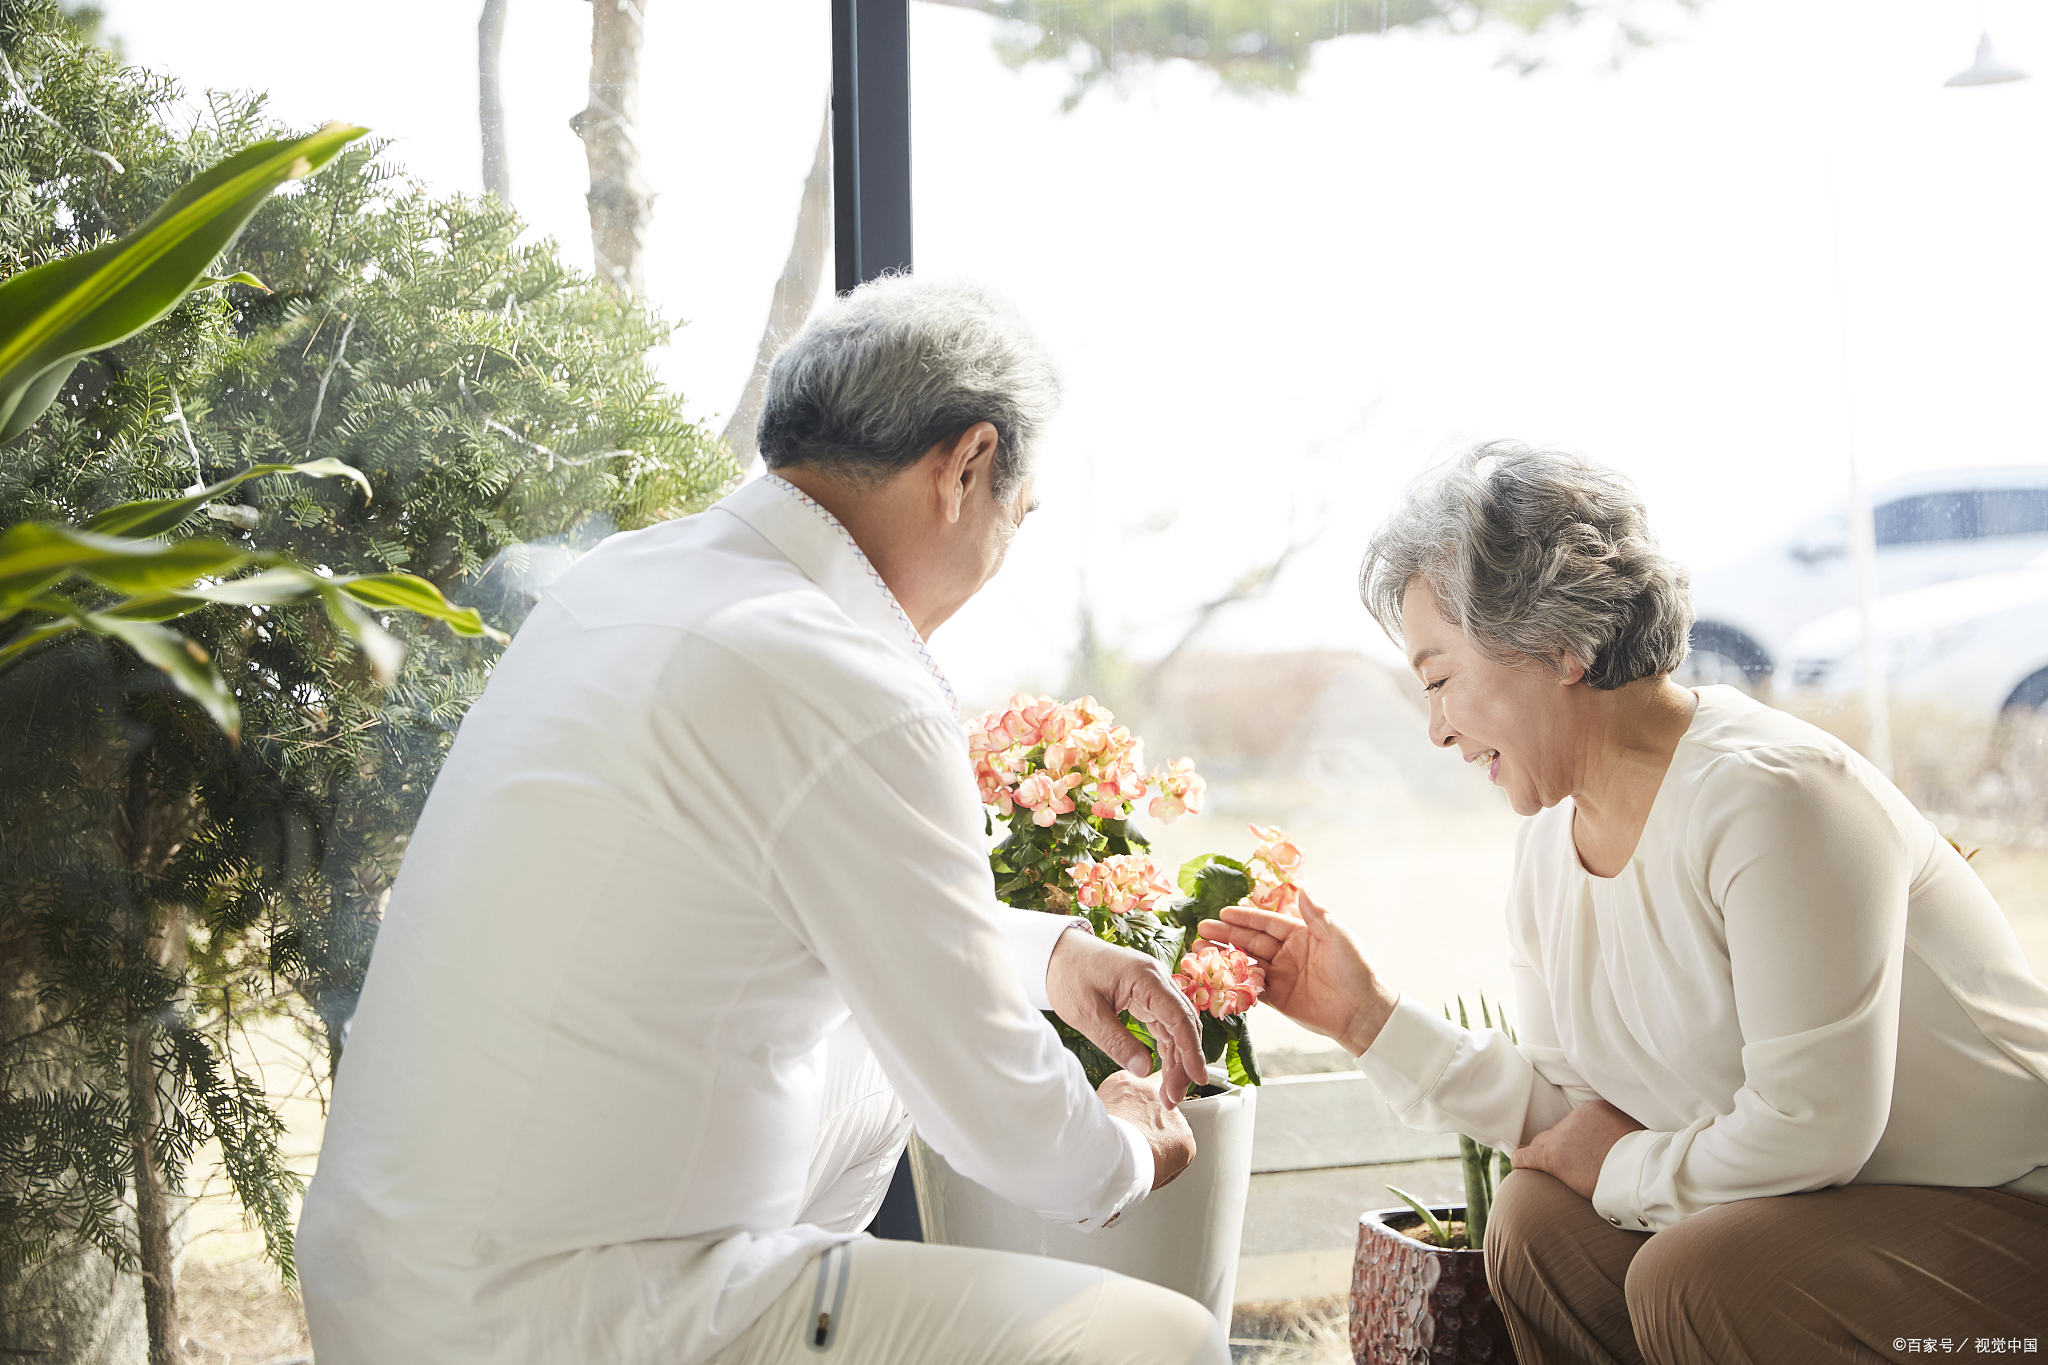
1316,973
1575,1147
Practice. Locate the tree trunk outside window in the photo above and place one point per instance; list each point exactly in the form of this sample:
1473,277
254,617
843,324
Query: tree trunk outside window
490,98
153,1202
620,204
796,292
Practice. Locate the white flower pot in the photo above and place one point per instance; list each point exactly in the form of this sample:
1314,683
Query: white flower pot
1184,1237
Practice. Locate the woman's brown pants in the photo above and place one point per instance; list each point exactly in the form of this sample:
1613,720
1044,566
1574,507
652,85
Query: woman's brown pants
1860,1273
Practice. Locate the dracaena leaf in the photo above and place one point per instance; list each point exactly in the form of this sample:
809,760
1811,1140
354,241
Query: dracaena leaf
184,663
404,592
57,312
60,311
154,516
173,566
35,557
383,651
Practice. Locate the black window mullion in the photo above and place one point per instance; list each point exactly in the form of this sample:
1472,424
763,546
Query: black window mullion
870,138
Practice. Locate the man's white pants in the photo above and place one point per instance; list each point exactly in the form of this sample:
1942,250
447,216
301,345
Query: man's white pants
869,1302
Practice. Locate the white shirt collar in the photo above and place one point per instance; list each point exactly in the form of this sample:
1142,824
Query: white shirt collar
814,540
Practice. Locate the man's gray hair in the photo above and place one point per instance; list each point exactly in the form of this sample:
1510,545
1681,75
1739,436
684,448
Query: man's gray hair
896,366
1538,553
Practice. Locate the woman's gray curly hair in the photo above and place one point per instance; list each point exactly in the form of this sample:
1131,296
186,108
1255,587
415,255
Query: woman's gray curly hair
1538,553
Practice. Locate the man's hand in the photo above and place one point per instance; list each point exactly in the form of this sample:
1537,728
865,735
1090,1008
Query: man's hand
1090,982
1142,1105
1316,972
1575,1147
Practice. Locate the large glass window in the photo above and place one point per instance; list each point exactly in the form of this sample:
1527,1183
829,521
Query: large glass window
1288,257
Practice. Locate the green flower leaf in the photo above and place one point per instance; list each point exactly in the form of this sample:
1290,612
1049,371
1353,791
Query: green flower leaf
1213,881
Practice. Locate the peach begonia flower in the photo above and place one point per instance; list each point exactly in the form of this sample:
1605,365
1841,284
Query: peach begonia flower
1090,711
1045,796
1180,791
1276,851
1219,979
1121,883
1026,719
1062,721
995,786
1281,898
1119,781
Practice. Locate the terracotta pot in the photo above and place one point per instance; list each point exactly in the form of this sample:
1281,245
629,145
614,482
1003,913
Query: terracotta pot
1184,1236
1415,1304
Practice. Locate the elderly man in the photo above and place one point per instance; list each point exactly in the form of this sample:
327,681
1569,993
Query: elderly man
699,919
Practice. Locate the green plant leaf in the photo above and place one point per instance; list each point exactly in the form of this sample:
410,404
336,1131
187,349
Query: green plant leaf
1473,1158
155,516
1143,930
186,664
404,592
1429,1219
287,583
1096,1064
172,566
36,395
65,309
22,644
379,646
1243,1061
36,556
189,668
1213,881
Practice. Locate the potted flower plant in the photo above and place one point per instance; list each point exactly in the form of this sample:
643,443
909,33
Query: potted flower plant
1418,1284
1063,780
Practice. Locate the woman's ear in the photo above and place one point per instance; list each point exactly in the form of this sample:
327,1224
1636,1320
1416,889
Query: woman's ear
1569,671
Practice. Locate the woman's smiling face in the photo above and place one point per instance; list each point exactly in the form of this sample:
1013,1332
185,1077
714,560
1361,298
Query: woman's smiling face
1513,721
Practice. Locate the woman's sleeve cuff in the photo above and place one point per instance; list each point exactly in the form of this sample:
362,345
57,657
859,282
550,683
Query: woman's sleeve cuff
1411,1053
1618,1194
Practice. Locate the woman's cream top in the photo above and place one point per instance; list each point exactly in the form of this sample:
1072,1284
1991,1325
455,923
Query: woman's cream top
1795,983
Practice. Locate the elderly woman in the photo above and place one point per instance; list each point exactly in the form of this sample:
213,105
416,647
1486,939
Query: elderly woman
1781,1089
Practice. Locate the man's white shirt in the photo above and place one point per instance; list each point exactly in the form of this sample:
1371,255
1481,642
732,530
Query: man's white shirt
714,799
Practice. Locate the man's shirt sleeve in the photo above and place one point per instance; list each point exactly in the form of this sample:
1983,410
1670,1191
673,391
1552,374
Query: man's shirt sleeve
1032,935
879,859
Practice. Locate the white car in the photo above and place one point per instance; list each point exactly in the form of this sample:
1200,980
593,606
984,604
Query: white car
1932,528
1979,643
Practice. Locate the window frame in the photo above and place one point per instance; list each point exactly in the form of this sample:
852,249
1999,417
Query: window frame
870,140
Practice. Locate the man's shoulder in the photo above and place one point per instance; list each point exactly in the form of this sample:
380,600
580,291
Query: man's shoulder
746,622
676,573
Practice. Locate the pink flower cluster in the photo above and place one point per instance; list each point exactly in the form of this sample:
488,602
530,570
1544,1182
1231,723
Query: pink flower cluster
1121,883
1220,979
1082,746
1275,862
1180,791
